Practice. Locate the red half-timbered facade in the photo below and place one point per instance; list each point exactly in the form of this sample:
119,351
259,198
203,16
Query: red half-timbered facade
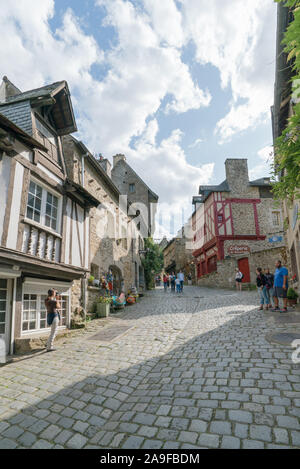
232,218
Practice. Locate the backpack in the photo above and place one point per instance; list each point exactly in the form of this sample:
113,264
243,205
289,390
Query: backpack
242,276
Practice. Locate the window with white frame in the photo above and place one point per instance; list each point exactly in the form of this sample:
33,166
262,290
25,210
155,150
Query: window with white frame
35,314
276,218
42,206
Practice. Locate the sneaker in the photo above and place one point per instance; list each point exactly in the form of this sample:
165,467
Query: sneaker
261,308
284,310
276,308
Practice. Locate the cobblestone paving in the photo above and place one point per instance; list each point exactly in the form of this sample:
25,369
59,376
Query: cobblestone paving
195,371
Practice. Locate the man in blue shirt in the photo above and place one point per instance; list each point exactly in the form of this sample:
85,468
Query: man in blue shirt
280,286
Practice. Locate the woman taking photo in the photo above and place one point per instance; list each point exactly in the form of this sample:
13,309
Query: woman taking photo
53,317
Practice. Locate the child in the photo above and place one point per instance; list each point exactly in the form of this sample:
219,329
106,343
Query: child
178,285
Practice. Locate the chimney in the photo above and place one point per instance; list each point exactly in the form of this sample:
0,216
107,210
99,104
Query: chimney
117,158
106,165
7,89
237,175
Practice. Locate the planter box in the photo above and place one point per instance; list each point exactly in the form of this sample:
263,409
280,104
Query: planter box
292,302
103,310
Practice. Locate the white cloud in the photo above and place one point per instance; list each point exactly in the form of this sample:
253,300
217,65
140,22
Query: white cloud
263,167
196,143
144,67
238,38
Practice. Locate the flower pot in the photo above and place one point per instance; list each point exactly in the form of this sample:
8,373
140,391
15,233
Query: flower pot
103,310
292,302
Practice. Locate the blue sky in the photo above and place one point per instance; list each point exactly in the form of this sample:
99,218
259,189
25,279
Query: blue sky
177,86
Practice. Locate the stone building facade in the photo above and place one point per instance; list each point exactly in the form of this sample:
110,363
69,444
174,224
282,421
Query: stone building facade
141,198
115,240
178,256
236,224
281,111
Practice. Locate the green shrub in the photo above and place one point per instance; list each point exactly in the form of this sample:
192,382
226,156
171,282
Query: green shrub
292,294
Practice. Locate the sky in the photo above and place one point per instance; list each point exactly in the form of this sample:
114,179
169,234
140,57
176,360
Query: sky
177,86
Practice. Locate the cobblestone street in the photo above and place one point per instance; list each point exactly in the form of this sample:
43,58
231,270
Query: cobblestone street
192,371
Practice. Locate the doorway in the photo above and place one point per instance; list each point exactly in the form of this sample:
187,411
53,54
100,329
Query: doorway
5,305
243,265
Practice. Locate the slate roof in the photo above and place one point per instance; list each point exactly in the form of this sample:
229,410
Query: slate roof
10,126
35,93
62,110
262,182
205,191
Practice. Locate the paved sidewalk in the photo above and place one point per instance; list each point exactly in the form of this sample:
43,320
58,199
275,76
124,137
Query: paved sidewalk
192,371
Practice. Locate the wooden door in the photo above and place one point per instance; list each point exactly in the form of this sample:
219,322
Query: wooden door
244,268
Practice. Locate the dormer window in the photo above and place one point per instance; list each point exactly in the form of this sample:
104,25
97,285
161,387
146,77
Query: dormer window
47,137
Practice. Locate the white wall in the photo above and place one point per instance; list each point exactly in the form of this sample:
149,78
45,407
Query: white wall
5,165
15,208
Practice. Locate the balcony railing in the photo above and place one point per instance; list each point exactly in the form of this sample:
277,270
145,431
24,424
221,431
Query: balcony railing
41,243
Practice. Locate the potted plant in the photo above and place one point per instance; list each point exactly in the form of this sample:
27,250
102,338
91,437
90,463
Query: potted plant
91,279
292,296
103,306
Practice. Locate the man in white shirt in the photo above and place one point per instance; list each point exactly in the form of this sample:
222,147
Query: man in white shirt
180,276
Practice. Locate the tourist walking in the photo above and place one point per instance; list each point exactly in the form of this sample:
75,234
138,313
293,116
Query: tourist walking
180,276
53,317
261,283
172,280
270,286
238,279
189,278
280,287
178,286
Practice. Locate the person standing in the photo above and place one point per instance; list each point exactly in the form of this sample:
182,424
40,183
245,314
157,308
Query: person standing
270,285
178,286
238,279
280,286
173,279
53,317
165,281
261,283
181,278
189,278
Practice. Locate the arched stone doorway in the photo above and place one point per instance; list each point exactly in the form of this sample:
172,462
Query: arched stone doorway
117,282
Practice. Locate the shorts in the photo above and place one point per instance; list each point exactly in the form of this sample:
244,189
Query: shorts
239,280
280,292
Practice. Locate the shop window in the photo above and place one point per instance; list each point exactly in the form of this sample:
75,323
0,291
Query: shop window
42,206
34,315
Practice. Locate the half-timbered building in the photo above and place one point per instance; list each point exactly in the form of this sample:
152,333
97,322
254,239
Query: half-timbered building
44,216
236,224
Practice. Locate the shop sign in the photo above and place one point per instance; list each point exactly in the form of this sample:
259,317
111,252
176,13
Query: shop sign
275,239
236,249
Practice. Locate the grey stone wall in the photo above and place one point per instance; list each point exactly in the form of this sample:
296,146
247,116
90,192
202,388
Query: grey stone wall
123,175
